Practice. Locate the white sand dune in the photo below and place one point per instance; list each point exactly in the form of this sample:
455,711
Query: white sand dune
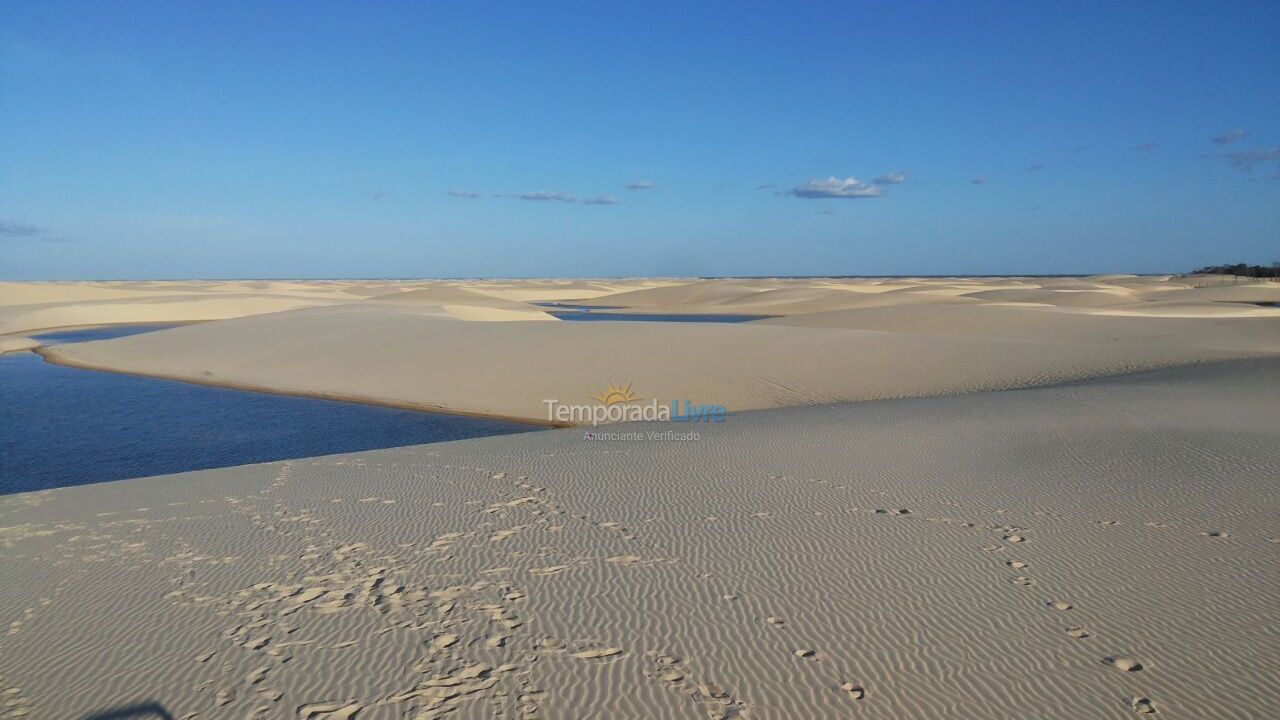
1045,323
1079,551
557,290
14,343
412,356
465,346
446,295
33,306
1257,292
1076,297
491,314
159,309
689,293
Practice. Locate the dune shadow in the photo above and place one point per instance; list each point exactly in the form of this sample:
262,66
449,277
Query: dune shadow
141,711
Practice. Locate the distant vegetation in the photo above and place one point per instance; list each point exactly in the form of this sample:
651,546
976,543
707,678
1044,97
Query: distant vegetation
1242,270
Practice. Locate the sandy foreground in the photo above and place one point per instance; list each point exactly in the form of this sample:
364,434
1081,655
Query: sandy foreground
1097,540
985,555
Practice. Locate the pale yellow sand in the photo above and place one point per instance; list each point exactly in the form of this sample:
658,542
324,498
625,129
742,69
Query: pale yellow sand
31,306
1069,552
833,340
418,357
13,343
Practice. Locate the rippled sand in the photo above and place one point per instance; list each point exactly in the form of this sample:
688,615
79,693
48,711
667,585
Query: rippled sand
1079,551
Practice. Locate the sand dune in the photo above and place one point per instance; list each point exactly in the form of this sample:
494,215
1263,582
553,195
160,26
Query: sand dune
33,306
1076,297
492,314
1020,321
1082,551
554,290
810,295
414,356
159,309
463,345
13,343
689,293
446,294
30,306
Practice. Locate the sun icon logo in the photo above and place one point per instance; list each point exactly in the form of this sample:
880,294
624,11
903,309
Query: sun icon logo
614,395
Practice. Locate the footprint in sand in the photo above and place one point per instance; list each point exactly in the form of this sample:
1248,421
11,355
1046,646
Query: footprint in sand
774,621
1141,705
224,696
855,690
716,700
1078,633
257,643
1216,534
270,695
1023,581
1123,663
670,675
806,654
669,663
1059,605
1016,564
598,653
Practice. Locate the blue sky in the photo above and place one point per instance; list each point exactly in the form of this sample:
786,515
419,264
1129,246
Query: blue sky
174,139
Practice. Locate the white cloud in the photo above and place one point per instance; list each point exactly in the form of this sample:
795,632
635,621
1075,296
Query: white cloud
833,187
641,185
892,178
545,195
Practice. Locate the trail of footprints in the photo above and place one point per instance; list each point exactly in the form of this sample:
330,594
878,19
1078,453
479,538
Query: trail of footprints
13,703
717,702
1013,536
1138,703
